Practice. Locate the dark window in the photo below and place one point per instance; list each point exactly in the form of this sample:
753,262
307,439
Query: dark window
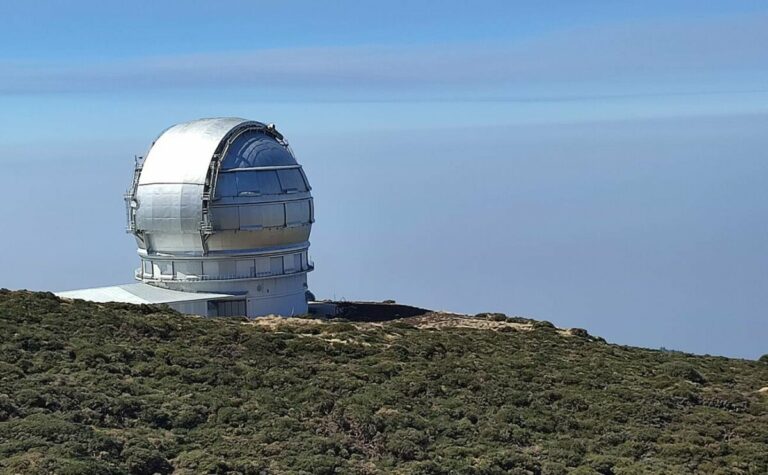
147,268
276,265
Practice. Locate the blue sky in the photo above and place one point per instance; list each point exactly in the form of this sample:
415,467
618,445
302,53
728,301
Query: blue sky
597,164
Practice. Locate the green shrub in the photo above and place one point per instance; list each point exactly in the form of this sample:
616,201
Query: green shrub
494,317
146,461
94,388
580,332
680,369
543,324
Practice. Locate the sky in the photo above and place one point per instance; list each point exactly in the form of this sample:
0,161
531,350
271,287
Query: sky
597,164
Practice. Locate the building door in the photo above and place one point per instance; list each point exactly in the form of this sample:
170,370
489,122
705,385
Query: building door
227,308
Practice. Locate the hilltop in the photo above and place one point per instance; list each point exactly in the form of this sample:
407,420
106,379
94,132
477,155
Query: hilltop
116,388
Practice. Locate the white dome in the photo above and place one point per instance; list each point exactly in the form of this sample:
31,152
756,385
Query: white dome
222,205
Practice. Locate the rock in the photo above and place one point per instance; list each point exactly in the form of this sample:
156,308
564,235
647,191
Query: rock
580,332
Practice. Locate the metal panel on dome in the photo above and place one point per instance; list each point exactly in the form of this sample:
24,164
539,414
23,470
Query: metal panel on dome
183,153
291,180
256,149
297,212
169,207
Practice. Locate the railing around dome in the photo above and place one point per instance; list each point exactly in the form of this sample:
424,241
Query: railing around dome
139,275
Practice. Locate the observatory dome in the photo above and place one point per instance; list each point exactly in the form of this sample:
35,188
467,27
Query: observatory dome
221,205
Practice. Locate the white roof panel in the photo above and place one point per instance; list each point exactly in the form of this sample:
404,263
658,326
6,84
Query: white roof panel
138,294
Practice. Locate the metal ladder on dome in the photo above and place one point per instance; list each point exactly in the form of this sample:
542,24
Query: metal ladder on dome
206,225
130,194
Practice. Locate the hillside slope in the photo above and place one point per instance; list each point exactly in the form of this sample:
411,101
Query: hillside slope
110,388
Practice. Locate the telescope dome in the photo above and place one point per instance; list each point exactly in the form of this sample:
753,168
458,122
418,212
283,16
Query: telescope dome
222,205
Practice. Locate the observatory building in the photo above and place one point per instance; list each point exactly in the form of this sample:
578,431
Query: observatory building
221,212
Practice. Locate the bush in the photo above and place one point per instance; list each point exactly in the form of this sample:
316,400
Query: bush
543,324
146,461
579,332
92,388
679,369
494,317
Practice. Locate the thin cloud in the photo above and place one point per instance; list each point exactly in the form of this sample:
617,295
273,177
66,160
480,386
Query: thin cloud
691,51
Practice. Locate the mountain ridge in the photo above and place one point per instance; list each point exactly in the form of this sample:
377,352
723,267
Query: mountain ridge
118,388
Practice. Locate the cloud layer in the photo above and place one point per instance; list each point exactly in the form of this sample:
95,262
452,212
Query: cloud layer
700,52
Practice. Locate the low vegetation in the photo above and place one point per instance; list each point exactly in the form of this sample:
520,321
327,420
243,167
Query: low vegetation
110,388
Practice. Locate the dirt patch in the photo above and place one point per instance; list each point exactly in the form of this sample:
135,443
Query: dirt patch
273,322
370,315
438,320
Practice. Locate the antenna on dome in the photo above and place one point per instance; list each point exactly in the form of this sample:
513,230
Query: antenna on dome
273,130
